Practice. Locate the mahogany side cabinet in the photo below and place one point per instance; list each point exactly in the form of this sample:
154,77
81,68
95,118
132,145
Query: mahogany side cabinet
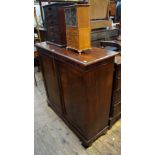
79,87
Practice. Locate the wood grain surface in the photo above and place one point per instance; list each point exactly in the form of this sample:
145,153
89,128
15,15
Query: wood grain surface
53,137
79,87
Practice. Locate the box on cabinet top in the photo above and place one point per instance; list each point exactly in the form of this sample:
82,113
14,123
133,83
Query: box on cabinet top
88,58
77,15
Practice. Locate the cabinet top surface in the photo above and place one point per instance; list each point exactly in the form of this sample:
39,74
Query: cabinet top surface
85,58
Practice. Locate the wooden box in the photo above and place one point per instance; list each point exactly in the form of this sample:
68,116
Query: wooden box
78,27
55,23
79,87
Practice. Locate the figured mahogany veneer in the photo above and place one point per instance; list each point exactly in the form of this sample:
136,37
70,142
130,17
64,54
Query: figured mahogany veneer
79,87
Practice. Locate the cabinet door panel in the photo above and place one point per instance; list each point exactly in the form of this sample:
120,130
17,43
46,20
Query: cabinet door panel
51,81
87,97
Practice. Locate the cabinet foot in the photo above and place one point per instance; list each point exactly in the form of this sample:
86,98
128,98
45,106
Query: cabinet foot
86,145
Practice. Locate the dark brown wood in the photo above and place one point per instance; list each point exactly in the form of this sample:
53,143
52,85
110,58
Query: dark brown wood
55,23
115,109
79,87
51,81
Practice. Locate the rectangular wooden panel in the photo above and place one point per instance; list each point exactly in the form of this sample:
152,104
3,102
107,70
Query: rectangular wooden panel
89,95
51,81
84,38
99,9
83,17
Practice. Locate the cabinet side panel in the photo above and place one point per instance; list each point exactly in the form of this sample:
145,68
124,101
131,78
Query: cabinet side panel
84,38
99,88
62,24
83,16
